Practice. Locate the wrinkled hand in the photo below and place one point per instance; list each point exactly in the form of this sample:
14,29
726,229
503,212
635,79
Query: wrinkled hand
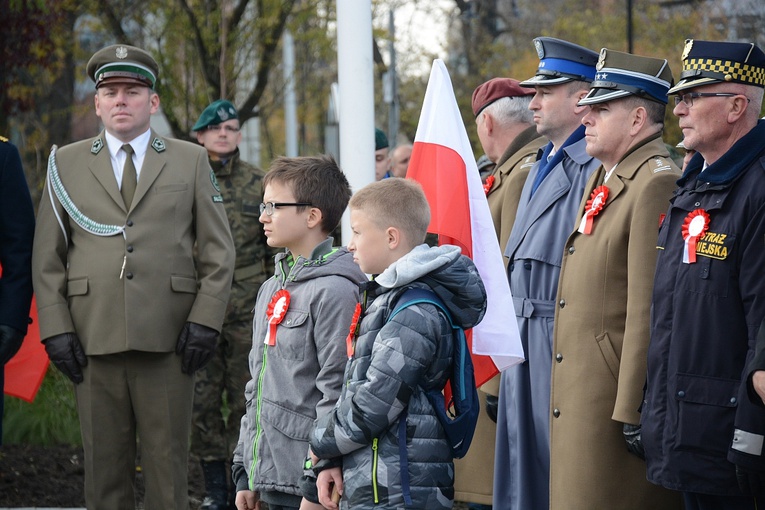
634,440
10,342
65,351
492,406
750,481
196,344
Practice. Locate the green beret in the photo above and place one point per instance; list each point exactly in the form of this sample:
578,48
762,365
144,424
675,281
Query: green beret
381,141
121,63
218,112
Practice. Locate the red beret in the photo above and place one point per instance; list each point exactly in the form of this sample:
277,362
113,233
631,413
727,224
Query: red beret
497,88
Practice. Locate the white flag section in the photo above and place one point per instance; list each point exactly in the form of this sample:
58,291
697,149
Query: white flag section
443,162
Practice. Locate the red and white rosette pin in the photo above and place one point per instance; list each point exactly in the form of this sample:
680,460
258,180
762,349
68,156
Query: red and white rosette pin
488,184
352,333
277,309
594,205
694,226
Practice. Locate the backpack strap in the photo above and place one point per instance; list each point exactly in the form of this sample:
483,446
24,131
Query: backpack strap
417,295
409,297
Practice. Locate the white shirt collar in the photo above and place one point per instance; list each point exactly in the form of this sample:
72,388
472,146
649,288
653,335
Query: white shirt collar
140,143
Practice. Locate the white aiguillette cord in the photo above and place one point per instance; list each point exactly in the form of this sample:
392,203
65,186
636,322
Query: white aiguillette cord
55,186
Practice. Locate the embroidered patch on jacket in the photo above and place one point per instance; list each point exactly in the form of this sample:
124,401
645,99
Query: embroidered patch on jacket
214,181
714,245
659,165
217,198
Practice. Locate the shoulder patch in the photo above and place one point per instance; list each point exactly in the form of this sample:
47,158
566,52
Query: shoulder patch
214,181
98,144
659,164
158,145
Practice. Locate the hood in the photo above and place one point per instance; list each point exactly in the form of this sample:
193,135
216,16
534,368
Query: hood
336,262
451,275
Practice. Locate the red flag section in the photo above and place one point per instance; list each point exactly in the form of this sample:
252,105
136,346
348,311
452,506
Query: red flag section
25,372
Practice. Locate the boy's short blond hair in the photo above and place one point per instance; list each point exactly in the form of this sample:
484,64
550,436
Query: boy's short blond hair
395,202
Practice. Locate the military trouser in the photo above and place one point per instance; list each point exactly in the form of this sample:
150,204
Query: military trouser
214,437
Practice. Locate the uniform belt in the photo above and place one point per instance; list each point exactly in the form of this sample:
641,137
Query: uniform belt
527,308
242,273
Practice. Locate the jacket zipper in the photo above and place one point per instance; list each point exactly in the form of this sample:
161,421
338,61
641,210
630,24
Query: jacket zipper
258,428
258,402
374,471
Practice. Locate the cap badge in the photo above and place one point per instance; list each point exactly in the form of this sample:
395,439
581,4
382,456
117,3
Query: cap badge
687,49
540,49
601,60
121,52
222,114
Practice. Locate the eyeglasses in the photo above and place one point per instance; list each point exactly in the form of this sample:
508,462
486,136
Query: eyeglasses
269,207
228,129
688,97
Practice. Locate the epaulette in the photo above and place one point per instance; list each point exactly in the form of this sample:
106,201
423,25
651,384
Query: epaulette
3,139
659,164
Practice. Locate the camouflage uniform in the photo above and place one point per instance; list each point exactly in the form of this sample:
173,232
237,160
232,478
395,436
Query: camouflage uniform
212,436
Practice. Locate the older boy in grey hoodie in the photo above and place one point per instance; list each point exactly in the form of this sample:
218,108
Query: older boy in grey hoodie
300,326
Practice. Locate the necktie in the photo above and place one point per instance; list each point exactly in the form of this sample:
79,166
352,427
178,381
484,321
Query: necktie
129,177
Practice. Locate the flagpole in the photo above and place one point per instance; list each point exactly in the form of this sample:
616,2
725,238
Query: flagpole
356,96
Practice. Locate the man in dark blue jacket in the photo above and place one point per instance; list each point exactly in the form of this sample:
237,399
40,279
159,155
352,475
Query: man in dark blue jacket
17,225
702,435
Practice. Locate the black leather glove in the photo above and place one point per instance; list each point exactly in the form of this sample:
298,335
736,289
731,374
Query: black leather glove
634,440
196,344
750,481
65,351
10,342
492,406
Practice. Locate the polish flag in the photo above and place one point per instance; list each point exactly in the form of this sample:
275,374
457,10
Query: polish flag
443,163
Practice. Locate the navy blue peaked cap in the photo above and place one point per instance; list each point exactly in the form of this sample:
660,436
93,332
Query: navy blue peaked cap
561,62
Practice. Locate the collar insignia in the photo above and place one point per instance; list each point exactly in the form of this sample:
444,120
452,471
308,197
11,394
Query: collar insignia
158,145
98,144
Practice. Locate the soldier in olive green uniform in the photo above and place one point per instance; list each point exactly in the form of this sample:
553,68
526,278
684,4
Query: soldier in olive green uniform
213,436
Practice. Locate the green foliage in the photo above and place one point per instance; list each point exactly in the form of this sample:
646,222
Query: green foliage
50,420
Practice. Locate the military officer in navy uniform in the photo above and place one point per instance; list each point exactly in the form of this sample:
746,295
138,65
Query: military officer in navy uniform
132,264
17,225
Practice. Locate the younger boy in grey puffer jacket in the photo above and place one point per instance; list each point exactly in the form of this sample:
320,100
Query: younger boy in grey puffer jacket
393,363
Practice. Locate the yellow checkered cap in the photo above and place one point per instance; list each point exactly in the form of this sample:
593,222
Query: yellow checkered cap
706,62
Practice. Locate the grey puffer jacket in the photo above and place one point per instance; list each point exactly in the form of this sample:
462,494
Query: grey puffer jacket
393,364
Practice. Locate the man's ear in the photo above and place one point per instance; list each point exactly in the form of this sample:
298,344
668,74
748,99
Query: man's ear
314,217
394,237
488,121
